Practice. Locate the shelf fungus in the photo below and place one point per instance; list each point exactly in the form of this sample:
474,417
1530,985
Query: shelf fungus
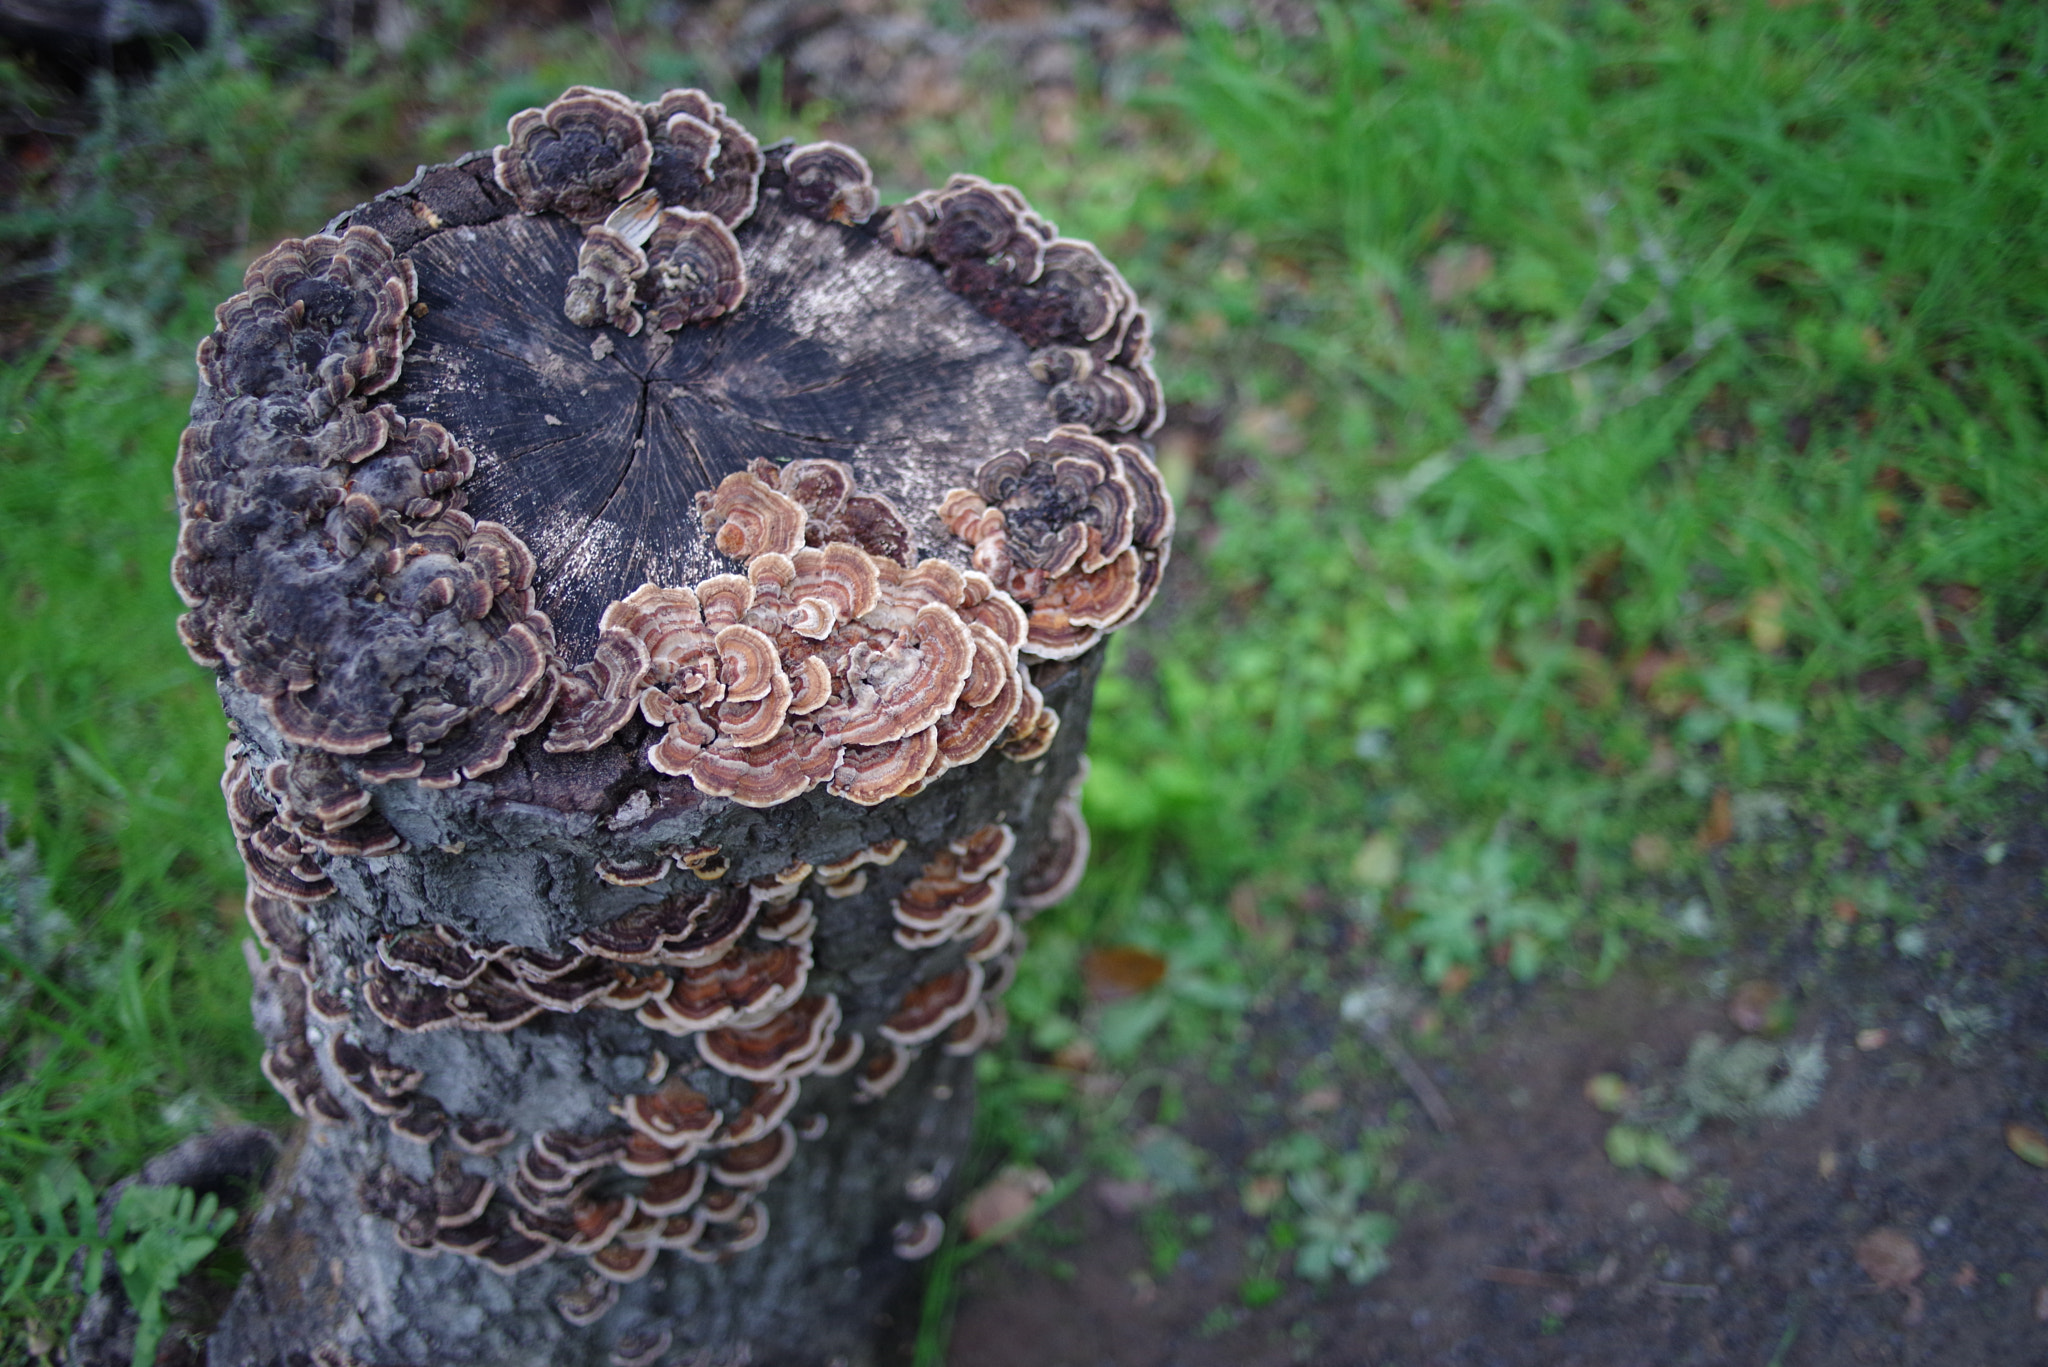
645,577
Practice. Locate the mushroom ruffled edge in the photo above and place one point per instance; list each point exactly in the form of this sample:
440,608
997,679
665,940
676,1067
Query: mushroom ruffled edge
1091,342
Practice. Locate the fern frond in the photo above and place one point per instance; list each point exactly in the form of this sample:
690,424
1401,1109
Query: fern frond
58,1222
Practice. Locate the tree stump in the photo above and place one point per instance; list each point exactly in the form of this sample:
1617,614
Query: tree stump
655,598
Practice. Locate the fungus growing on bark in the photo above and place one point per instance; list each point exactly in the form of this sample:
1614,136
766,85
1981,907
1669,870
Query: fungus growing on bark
918,1237
1062,856
694,270
703,159
831,182
529,617
1074,528
579,156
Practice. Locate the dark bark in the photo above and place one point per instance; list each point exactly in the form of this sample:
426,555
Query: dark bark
603,1061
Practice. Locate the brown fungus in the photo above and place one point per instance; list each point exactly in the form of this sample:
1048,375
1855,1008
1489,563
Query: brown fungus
786,1045
609,267
754,1165
918,1237
579,156
702,158
831,182
694,272
927,1009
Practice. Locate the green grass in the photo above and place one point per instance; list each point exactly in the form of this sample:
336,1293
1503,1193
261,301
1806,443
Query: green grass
1477,680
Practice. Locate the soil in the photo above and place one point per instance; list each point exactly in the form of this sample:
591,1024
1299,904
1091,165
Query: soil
1525,1245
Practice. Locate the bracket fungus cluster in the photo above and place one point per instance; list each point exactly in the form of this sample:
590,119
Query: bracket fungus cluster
645,579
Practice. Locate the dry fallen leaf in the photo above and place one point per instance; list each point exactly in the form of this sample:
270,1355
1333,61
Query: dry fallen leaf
1750,1008
1719,827
1871,1039
1319,1101
1120,1196
1261,1194
2028,1142
1006,1199
1893,1261
1118,971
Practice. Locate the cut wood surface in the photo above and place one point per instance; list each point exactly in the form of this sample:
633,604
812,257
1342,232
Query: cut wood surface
656,602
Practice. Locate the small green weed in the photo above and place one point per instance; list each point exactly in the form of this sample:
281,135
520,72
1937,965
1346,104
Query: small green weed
1328,1228
155,1236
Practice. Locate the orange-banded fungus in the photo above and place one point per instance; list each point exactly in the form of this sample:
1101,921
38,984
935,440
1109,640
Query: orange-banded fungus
714,928
722,178
574,1152
639,935
597,1220
580,156
510,1251
794,922
1061,857
769,1106
871,774
610,265
435,954
676,1116
623,1262
383,1092
748,517
707,862
694,270
641,1349
905,686
482,1137
882,1069
1028,740
406,1003
928,1008
785,1045
725,1205
674,1191
459,1195
495,1003
831,182
918,1237
840,1056
277,926
754,1165
993,936
972,1031
646,1157
744,984
585,1302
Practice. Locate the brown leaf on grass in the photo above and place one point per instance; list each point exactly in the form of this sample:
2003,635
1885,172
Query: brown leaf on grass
1118,971
2029,1143
1261,1194
1751,1007
1000,1206
1650,852
1719,827
1766,620
1318,1101
1456,271
1124,1196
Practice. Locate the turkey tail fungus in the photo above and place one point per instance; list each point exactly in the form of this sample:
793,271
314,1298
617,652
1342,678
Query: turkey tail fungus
654,589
